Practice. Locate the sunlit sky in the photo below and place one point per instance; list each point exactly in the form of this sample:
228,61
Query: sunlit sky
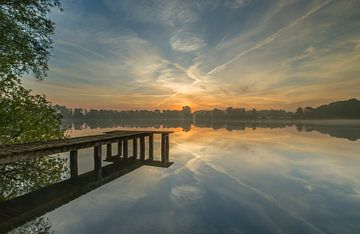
163,54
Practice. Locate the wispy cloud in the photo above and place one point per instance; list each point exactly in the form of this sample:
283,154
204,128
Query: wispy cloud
206,53
269,39
186,42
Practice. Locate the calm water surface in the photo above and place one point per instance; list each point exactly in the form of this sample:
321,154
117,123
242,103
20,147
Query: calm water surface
263,180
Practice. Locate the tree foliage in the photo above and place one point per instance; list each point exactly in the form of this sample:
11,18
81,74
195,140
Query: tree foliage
25,117
25,36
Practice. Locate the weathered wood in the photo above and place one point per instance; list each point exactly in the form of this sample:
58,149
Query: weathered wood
167,146
108,151
120,144
97,159
151,146
18,210
125,149
27,207
74,164
163,148
142,148
12,153
135,147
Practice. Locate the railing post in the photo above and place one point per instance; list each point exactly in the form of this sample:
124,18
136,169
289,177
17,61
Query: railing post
120,144
73,164
98,159
125,149
142,148
151,147
135,147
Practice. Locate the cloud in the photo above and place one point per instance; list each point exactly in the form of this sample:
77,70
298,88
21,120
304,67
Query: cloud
269,39
162,11
186,42
235,4
185,195
209,53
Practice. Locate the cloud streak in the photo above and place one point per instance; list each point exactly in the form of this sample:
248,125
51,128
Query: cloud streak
207,53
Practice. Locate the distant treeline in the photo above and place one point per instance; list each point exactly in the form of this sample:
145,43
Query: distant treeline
79,113
349,109
340,129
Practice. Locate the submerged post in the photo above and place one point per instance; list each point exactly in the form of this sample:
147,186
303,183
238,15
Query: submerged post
142,148
125,149
73,164
151,147
97,158
120,143
135,147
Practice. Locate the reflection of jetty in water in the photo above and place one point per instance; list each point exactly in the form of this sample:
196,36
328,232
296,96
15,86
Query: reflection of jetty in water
18,210
336,128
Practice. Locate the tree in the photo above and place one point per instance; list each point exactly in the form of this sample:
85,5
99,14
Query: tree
25,37
25,46
26,118
186,111
299,113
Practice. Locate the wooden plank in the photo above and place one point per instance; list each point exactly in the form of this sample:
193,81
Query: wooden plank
143,131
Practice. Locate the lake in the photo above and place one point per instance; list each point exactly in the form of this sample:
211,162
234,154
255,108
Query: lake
226,178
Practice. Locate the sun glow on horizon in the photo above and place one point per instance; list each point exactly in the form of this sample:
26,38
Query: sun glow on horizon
208,55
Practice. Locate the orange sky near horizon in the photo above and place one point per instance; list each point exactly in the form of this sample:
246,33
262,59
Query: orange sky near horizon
214,54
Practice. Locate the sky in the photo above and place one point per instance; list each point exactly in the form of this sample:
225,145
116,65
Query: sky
164,54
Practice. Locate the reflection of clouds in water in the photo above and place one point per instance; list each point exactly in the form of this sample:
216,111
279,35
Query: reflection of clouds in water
268,197
185,195
280,179
195,163
315,156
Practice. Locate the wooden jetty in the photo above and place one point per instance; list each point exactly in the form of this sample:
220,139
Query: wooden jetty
13,153
19,210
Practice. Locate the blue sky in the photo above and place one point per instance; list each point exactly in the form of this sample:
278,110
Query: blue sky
163,54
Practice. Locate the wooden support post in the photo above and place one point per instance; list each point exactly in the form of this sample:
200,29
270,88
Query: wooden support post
120,144
73,164
167,148
135,147
142,148
125,149
151,147
98,159
163,148
108,151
